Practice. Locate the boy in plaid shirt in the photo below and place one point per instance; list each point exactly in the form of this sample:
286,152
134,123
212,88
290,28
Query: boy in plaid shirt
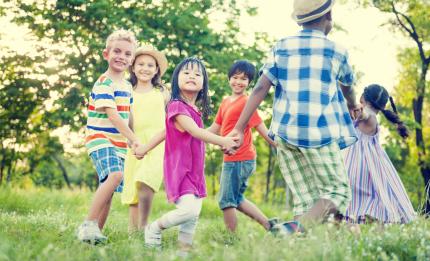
311,121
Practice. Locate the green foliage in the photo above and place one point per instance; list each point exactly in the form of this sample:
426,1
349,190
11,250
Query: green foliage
73,35
39,224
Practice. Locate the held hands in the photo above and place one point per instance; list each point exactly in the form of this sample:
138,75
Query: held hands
355,111
238,140
139,150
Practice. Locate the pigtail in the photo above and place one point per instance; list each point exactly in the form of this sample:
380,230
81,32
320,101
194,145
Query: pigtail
393,117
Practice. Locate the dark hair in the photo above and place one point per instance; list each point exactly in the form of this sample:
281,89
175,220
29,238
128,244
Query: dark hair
202,100
242,66
156,80
378,97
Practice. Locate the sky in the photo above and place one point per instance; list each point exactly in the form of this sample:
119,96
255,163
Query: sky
371,45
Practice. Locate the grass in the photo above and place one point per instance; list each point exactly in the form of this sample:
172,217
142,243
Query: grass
40,224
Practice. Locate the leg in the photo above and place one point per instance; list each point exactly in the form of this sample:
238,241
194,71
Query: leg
252,211
133,213
188,207
103,195
321,209
105,212
186,234
230,218
146,194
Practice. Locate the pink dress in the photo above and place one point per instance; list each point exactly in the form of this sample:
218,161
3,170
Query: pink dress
184,155
377,190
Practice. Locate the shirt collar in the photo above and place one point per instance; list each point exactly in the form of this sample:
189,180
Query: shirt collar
312,32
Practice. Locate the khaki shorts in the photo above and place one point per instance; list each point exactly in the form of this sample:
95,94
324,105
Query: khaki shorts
314,173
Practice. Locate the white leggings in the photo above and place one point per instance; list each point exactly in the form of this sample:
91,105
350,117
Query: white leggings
185,215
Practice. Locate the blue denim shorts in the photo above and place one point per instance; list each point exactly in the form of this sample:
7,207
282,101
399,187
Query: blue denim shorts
107,161
234,181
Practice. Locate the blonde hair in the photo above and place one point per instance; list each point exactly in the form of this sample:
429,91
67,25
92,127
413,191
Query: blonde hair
121,34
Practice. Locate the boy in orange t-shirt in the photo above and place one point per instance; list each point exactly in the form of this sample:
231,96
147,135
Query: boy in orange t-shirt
238,168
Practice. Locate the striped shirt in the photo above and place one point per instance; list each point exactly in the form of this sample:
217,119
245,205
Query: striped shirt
100,132
309,109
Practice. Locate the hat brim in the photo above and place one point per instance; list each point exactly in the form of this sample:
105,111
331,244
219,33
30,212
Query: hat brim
158,56
300,19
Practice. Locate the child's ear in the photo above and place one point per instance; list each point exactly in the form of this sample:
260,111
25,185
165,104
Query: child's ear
105,53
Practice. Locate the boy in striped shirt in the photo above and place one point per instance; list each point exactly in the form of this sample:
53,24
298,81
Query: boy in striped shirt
108,129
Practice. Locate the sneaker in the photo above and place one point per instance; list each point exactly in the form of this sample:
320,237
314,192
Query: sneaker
272,222
152,236
89,232
287,228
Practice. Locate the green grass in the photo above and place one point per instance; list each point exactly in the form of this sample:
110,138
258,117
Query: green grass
40,224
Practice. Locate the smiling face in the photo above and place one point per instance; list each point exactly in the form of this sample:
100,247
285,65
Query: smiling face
238,83
145,68
190,78
119,55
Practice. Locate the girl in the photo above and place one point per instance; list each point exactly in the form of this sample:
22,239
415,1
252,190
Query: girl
143,178
184,152
377,191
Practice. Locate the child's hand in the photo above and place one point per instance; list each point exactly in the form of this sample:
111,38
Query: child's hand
140,151
239,140
230,144
273,143
355,111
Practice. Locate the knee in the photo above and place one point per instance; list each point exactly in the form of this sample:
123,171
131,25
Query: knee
116,177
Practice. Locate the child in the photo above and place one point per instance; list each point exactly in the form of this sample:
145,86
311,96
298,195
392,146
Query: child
143,178
377,191
107,130
184,152
311,122
238,168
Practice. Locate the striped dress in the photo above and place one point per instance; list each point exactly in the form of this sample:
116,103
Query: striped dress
377,190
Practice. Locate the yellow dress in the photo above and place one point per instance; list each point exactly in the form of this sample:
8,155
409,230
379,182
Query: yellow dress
148,119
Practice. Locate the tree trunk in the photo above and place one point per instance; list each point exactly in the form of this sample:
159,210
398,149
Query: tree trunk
63,170
419,138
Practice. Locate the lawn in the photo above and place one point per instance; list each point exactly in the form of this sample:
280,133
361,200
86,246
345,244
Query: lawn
40,224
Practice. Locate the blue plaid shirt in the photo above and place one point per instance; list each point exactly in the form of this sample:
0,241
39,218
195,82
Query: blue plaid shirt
309,109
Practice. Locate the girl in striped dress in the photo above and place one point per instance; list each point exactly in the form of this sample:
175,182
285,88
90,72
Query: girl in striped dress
377,191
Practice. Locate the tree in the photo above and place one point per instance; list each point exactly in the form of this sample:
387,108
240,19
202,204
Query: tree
74,31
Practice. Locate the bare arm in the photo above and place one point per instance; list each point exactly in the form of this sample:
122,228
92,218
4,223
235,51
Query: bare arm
349,94
257,96
214,128
367,121
120,125
141,150
185,123
263,131
131,121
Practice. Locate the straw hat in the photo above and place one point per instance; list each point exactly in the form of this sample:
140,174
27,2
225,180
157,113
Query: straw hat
308,10
158,56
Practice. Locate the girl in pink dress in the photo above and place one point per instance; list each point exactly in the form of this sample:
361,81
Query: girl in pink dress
377,191
184,155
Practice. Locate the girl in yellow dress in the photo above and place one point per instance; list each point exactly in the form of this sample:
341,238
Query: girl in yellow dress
142,178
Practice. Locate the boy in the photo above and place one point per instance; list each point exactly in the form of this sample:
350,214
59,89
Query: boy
238,168
311,122
108,130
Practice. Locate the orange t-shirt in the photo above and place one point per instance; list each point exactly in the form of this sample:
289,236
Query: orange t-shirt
227,116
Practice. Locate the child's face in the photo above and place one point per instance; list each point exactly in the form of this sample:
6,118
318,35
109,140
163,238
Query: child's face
238,83
190,78
119,55
145,68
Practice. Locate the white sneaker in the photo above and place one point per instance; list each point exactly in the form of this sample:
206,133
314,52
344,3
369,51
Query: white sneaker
89,232
152,236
